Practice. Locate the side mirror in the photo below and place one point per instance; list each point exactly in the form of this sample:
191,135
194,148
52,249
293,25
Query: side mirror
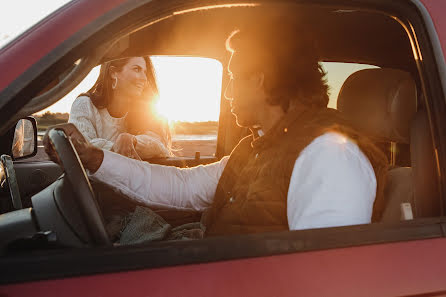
24,144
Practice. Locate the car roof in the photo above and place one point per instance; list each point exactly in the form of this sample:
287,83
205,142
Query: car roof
342,35
46,35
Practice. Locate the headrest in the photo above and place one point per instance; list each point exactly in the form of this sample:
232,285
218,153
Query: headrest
380,103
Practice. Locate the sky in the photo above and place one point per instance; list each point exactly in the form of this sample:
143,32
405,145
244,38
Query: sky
18,15
190,88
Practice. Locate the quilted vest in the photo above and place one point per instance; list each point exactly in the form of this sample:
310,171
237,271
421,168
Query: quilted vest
251,195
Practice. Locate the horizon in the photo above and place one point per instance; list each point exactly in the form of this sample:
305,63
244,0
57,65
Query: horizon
185,95
174,121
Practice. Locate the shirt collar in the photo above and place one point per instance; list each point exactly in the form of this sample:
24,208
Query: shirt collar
283,126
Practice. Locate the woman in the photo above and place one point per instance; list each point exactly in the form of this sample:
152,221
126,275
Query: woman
118,112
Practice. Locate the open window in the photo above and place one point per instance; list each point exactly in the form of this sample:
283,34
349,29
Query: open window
189,98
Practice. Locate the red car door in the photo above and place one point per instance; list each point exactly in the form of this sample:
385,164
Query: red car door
404,259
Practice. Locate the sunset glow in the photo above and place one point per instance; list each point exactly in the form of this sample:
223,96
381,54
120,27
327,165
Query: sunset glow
190,88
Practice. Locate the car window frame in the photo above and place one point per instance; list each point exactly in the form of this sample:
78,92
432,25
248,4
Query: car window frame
415,19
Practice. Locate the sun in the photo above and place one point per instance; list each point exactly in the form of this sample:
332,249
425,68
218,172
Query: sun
190,88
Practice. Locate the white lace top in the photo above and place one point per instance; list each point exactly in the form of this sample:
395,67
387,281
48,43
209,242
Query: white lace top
101,129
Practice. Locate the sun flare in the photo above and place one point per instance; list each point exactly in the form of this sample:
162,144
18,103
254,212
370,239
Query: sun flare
190,88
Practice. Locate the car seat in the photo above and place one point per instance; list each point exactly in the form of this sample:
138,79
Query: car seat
382,104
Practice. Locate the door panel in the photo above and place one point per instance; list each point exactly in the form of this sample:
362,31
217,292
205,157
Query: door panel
394,269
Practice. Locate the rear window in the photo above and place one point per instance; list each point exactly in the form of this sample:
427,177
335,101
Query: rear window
337,73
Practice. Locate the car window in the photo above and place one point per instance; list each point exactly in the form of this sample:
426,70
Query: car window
337,73
189,100
190,90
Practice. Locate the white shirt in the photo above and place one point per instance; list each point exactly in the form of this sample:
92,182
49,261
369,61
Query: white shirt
97,125
102,130
332,184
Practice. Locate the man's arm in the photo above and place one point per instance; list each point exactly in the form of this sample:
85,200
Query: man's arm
151,184
332,184
161,186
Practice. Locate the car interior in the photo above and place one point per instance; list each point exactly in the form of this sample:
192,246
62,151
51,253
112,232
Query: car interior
387,103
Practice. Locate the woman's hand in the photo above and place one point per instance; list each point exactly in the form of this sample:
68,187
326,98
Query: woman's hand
125,145
90,156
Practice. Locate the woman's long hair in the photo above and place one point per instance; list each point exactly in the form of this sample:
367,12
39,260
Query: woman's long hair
142,115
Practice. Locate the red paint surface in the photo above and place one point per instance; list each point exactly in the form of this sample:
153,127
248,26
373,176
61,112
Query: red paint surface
32,46
437,11
396,269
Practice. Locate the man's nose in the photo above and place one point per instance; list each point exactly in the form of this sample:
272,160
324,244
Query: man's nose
229,90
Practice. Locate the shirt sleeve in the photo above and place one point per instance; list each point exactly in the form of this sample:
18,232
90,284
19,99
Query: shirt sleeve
82,115
332,184
161,186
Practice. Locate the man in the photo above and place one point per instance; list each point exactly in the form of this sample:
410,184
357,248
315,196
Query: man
305,171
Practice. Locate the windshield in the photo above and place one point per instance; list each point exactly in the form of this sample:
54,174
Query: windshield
19,15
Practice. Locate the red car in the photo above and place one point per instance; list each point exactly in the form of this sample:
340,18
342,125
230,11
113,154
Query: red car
50,241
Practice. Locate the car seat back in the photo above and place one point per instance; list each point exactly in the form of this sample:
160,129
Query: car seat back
381,103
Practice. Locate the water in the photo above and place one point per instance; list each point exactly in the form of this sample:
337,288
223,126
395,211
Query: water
194,137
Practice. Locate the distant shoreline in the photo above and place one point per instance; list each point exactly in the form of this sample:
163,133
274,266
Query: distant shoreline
178,128
176,137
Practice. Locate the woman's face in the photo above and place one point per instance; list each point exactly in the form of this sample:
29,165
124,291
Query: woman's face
132,79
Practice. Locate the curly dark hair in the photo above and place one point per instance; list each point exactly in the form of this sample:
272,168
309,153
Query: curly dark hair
287,56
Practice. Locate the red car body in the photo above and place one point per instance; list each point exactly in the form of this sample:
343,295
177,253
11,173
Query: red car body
403,268
413,268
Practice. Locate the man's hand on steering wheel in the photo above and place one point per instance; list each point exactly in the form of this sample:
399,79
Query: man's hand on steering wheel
65,145
90,156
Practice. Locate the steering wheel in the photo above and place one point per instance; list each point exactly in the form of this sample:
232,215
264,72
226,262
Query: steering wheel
83,192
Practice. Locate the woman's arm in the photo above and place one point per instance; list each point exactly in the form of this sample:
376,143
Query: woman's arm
83,115
151,130
150,145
